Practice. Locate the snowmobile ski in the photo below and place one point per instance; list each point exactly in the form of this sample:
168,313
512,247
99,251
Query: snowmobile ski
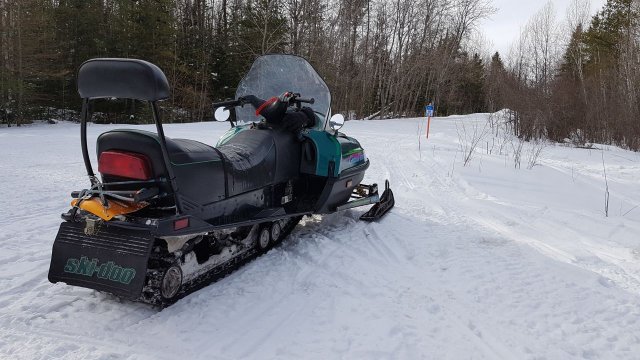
385,204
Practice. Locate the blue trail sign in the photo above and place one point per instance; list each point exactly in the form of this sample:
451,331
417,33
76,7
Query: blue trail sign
429,110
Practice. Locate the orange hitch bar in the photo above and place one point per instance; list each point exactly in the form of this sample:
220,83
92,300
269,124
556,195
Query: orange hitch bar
114,208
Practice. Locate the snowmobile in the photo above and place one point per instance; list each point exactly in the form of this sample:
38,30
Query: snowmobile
168,216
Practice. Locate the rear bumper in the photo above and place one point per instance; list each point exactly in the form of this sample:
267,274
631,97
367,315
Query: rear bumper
112,260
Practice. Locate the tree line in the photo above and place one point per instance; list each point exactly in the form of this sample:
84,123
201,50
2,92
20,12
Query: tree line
378,56
585,91
575,79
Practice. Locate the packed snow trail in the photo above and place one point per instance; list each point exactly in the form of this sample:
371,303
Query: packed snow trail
481,262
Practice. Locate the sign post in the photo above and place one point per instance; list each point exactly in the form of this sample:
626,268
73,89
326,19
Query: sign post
429,113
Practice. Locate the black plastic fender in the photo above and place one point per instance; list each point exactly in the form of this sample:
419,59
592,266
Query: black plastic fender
111,259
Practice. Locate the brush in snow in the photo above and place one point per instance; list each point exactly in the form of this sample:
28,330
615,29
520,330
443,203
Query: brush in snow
168,216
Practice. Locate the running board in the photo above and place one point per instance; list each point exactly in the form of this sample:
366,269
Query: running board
360,202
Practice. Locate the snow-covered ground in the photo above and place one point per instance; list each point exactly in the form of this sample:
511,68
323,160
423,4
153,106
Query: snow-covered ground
482,261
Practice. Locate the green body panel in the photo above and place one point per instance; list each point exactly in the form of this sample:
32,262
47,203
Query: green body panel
352,153
328,150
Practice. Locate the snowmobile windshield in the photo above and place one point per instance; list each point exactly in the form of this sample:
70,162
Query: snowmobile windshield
272,75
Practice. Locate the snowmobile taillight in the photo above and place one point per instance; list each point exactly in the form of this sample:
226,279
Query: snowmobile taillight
180,224
125,164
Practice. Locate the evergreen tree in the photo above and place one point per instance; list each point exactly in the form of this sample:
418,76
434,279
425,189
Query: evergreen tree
607,29
575,55
79,36
263,28
494,84
473,85
142,29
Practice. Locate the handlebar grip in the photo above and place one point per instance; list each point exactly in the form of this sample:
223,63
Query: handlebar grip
307,101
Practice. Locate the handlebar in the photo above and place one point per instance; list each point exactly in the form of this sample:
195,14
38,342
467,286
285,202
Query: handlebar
228,103
306,101
243,100
272,109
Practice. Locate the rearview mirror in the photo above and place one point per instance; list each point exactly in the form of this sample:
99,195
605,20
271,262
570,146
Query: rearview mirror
336,122
221,114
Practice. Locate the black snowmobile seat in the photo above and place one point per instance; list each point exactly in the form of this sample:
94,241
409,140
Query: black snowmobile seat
185,151
248,149
199,169
248,160
251,155
181,151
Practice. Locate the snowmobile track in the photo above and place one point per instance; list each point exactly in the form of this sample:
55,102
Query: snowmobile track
216,274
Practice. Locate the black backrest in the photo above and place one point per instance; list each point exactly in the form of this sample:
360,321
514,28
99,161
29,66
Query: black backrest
122,78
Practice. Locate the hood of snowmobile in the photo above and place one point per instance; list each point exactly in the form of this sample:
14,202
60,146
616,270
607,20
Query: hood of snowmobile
352,154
